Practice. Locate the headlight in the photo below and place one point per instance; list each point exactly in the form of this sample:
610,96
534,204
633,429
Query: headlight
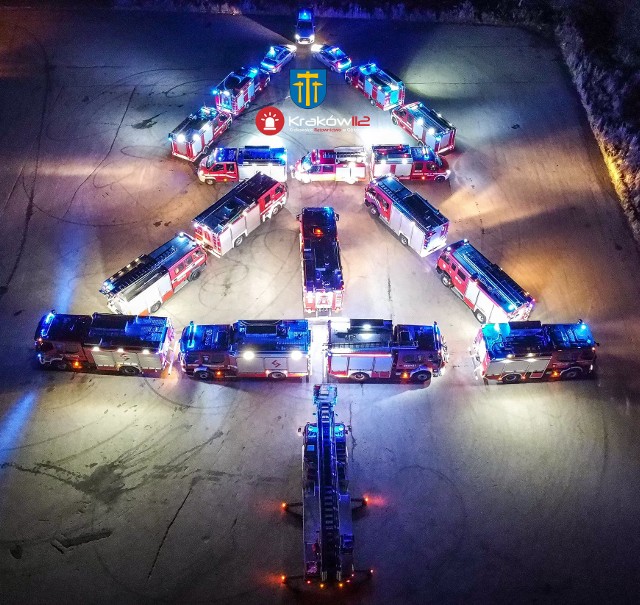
297,36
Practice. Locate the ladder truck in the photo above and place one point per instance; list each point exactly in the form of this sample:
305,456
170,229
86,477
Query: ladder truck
327,508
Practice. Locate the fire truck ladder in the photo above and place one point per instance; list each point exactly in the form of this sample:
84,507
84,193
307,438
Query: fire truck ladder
129,276
329,472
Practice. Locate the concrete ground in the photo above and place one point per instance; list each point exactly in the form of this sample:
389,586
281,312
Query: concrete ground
118,490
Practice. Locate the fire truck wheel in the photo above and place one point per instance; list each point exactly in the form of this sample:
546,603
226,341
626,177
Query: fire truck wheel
404,241
195,274
154,308
480,316
203,375
210,181
374,210
61,365
238,241
394,120
571,374
275,211
511,378
446,280
277,375
421,376
440,179
129,370
359,376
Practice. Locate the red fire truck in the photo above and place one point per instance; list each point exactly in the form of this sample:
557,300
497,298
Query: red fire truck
119,343
405,162
381,87
250,349
483,286
226,223
413,219
233,164
339,164
145,283
322,281
360,349
197,132
426,126
528,350
236,92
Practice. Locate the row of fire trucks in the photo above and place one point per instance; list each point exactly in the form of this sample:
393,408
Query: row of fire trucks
357,349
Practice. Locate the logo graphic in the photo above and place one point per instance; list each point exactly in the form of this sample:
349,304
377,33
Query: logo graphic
270,120
307,87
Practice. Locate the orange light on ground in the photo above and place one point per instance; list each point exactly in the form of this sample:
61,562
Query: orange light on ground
284,506
340,585
321,585
283,578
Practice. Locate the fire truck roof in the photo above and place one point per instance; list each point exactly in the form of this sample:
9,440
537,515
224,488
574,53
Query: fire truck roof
358,333
395,154
127,331
148,268
60,327
199,337
271,335
321,251
411,204
429,117
504,290
261,154
237,79
195,123
222,154
423,338
531,338
231,205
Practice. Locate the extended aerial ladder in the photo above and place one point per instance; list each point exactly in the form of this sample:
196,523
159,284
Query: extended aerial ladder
327,508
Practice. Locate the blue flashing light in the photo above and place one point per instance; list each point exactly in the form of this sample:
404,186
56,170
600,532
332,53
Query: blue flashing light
512,307
305,16
583,326
496,327
272,52
214,91
253,71
49,317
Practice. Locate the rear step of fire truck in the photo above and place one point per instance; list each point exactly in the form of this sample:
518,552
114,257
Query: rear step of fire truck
327,526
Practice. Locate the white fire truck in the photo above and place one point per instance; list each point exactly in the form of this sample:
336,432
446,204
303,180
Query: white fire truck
236,92
145,283
327,507
381,87
426,126
360,349
339,164
226,223
236,164
482,285
250,349
322,281
528,350
413,219
405,162
119,343
197,132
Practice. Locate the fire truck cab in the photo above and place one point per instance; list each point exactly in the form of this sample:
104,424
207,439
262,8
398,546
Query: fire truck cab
405,162
426,126
236,92
197,132
119,343
147,282
360,349
482,285
381,87
250,349
226,223
236,164
413,219
528,350
322,280
339,164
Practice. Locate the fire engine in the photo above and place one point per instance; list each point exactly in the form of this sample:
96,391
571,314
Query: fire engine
405,162
426,126
255,349
361,349
235,164
236,92
339,164
127,344
382,88
483,286
528,350
226,223
197,132
413,219
322,281
145,283
327,507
